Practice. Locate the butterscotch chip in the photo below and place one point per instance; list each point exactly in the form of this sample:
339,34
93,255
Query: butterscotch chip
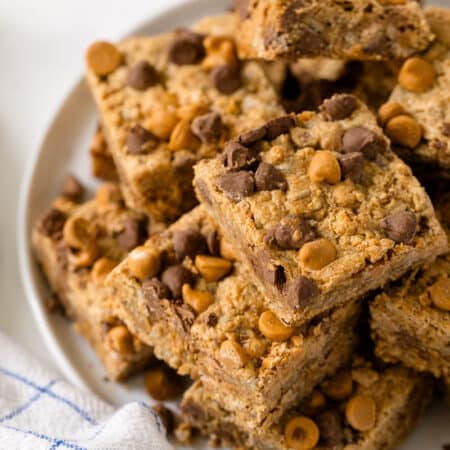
144,262
301,433
108,193
120,339
86,256
324,167
339,387
365,376
404,130
227,251
161,122
316,401
182,137
212,268
197,300
76,232
360,412
272,328
162,385
232,355
103,58
317,254
102,267
417,75
388,111
440,294
219,50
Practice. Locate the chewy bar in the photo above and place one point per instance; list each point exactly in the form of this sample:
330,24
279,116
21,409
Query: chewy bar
357,409
319,208
184,294
410,320
417,115
167,101
76,246
353,29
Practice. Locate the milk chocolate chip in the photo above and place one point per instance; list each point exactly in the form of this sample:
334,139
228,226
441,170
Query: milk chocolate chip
154,291
400,226
300,291
352,165
189,242
140,140
129,237
279,126
291,233
237,157
174,277
268,178
208,128
187,48
340,106
253,136
53,223
360,139
142,75
226,78
237,185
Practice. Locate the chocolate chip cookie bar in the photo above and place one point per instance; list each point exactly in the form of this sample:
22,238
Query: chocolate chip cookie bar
351,29
417,116
184,294
362,408
410,320
167,101
319,208
77,245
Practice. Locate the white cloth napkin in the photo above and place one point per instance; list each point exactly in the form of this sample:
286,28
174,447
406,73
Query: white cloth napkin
39,410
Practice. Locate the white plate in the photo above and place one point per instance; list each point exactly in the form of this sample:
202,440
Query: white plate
63,150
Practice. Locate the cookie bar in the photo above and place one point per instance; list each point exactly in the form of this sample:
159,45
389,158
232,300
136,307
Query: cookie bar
102,163
183,294
167,101
351,29
319,208
420,101
359,409
77,245
410,320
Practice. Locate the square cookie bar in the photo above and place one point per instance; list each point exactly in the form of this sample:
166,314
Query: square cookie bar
410,320
76,246
420,101
353,29
183,294
319,208
167,101
358,409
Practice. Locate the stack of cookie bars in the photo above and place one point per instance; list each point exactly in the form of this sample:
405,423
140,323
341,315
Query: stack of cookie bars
261,192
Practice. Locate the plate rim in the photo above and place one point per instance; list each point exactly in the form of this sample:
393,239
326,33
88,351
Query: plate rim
23,246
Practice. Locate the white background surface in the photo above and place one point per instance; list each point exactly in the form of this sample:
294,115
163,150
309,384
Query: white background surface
42,45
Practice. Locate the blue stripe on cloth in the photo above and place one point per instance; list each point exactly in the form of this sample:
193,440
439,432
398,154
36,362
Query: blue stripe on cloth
43,390
26,405
44,437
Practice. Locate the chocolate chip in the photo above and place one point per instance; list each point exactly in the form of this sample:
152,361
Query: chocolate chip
212,320
226,78
310,42
212,241
174,277
154,291
340,106
352,165
292,232
72,189
360,139
269,272
268,178
186,317
208,128
52,224
188,242
237,157
166,417
237,185
279,126
129,237
242,8
252,136
140,140
300,292
186,48
446,129
203,192
379,45
400,226
142,75
330,427
184,164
